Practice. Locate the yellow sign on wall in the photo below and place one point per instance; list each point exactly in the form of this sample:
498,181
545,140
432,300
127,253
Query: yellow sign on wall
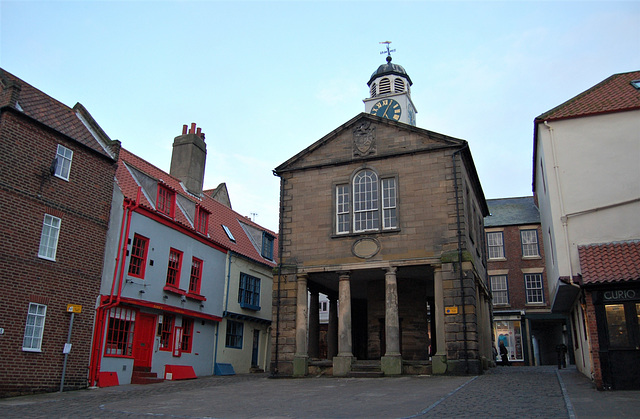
74,308
451,310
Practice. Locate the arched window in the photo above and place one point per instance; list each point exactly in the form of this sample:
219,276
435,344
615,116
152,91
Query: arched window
365,201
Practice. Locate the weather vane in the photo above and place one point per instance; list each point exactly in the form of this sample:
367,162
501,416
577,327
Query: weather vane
388,51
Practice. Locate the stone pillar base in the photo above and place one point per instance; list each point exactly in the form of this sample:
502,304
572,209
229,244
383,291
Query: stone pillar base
342,365
439,364
391,365
300,366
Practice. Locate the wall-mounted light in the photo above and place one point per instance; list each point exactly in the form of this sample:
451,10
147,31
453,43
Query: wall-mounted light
183,298
165,297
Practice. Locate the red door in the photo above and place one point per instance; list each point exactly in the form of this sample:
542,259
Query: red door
143,340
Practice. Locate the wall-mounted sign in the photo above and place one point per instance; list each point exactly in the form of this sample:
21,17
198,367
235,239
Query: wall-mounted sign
619,295
451,310
74,308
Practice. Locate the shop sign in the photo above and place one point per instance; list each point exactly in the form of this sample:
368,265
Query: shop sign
620,295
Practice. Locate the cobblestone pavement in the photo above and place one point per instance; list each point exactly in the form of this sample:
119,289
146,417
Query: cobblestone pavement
523,392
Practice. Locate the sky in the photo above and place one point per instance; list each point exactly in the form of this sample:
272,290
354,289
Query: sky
266,79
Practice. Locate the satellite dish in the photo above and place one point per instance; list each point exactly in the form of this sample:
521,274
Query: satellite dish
53,167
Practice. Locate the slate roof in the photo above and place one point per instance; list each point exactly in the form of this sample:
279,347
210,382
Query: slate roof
52,113
610,262
132,172
512,211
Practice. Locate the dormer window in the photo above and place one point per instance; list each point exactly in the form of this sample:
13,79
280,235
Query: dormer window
202,220
267,246
166,201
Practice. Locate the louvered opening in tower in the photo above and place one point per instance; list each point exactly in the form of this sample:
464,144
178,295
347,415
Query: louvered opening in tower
398,85
385,86
374,90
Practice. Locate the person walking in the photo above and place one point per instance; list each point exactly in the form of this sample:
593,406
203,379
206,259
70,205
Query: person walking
504,354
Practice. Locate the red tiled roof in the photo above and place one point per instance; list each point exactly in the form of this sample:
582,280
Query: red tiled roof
610,262
220,214
615,94
49,112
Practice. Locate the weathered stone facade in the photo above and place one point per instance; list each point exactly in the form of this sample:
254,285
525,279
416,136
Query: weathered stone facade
394,279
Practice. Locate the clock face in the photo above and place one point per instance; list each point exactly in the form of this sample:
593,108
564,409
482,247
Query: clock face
387,108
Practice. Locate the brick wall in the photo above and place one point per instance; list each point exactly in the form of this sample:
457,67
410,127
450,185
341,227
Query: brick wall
83,204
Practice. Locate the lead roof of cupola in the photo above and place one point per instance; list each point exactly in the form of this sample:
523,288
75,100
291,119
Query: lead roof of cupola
389,68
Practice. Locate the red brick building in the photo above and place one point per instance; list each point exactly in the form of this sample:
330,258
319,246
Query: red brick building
522,316
56,184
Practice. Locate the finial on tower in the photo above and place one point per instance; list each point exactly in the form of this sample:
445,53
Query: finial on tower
388,51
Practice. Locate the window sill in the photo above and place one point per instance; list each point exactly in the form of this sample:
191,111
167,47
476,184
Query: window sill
250,307
31,350
196,296
497,259
365,233
532,257
535,304
174,290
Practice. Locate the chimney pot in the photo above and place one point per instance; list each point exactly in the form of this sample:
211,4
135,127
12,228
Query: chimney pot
193,128
199,131
184,129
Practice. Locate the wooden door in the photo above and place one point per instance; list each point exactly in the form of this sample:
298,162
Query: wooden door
143,340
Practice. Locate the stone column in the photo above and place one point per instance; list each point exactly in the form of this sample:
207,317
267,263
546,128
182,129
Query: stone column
391,362
314,325
439,360
301,359
342,362
332,329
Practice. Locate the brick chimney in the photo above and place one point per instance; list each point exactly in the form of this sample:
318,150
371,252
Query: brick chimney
189,157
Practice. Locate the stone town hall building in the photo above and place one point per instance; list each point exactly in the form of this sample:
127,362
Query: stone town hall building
386,219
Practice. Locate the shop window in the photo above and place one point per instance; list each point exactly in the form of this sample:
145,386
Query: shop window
120,332
165,330
34,328
510,332
617,325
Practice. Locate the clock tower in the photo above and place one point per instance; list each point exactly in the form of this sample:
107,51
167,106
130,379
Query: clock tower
390,93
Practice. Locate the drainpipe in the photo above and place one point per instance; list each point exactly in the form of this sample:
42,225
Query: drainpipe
274,372
102,310
563,216
458,224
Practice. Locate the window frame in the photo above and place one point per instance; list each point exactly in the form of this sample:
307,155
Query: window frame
495,246
503,292
234,335
195,279
267,245
523,244
174,268
362,206
121,323
249,292
49,238
34,331
529,291
186,341
64,158
202,220
138,243
166,201
165,331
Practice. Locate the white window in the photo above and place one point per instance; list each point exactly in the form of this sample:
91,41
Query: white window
533,286
495,244
365,201
63,164
529,240
499,289
32,341
49,237
389,216
342,209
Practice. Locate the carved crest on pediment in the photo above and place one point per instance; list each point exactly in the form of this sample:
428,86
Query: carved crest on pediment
364,139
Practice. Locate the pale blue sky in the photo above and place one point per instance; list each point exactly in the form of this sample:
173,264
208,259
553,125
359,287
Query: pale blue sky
266,79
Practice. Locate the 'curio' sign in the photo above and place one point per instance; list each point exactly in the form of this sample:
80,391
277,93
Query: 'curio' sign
620,295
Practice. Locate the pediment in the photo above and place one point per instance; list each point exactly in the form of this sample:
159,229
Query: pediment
367,137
